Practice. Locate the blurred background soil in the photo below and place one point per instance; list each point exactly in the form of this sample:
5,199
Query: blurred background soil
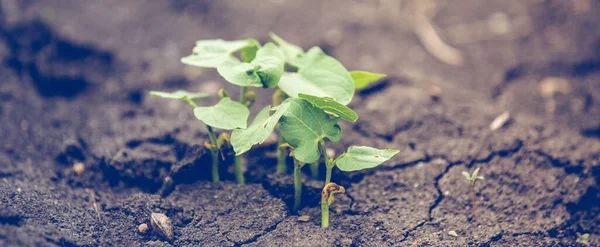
74,85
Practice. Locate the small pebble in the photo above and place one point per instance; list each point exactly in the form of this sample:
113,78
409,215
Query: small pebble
78,168
453,233
304,218
4,180
500,121
143,228
435,93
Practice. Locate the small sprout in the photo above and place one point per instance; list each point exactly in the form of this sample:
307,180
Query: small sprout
472,178
453,233
327,198
162,225
143,228
78,168
583,239
223,93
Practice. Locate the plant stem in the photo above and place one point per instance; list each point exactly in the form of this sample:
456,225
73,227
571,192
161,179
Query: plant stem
328,162
297,186
238,160
281,157
324,213
314,169
277,98
214,153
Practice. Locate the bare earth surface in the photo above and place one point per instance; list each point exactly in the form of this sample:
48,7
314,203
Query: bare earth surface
74,85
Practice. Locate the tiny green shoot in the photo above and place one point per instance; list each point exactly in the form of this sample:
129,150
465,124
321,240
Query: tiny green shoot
472,178
583,239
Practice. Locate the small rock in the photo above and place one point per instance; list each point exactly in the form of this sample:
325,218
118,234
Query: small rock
78,168
453,233
435,93
304,218
143,228
500,121
161,224
346,242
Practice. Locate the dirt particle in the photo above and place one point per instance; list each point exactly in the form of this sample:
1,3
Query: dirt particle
453,233
143,228
435,93
161,224
9,148
304,218
78,168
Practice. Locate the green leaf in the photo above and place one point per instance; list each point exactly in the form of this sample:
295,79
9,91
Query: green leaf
319,75
264,71
363,78
214,52
361,157
303,126
248,53
331,107
258,131
292,53
226,114
179,94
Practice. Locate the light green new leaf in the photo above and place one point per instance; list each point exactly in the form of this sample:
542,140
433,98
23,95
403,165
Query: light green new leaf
248,53
331,107
227,114
258,131
214,52
179,94
264,71
303,126
361,157
319,75
363,78
292,53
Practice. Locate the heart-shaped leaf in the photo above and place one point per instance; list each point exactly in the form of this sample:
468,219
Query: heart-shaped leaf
258,131
214,52
304,125
227,114
293,53
319,75
264,71
361,157
362,79
179,94
331,107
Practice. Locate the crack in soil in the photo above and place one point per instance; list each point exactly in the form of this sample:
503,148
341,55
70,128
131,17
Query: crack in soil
257,236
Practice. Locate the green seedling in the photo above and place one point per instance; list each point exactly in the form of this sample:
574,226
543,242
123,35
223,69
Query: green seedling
313,91
472,178
327,198
583,239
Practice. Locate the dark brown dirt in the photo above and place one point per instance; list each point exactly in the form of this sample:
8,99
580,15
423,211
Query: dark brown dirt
73,88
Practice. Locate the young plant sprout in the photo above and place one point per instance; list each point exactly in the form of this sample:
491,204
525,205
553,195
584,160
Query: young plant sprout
313,91
472,178
583,239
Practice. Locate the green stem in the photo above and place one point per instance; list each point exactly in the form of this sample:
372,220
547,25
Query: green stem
239,166
314,169
297,186
324,213
328,162
214,153
328,175
243,91
239,169
281,157
277,98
